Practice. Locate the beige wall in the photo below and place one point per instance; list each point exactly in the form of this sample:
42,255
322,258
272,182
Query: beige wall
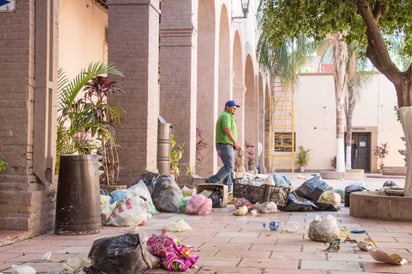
82,35
315,117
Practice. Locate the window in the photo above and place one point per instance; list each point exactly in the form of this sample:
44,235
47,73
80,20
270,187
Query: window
284,142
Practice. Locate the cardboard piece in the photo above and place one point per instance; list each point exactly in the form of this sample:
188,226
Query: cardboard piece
211,187
381,256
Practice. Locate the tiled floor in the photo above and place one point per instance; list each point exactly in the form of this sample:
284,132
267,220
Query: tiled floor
239,244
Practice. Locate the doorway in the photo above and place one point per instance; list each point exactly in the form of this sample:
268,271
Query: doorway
363,140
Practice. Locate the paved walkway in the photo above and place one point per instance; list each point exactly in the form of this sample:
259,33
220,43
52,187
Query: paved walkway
239,244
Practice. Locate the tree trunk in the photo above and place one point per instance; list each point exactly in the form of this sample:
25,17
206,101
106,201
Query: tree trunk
378,54
340,78
405,115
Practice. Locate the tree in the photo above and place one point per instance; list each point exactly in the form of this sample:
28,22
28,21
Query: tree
367,22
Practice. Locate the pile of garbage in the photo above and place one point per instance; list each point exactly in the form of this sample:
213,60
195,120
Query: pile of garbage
312,195
152,193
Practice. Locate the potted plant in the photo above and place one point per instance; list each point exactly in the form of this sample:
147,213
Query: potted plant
303,158
176,154
85,132
85,123
381,152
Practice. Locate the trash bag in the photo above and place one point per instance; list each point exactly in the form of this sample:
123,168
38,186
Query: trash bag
167,194
312,188
123,254
199,205
281,180
149,179
130,212
330,197
296,203
324,230
359,186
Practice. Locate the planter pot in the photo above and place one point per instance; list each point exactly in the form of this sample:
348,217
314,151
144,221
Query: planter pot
78,196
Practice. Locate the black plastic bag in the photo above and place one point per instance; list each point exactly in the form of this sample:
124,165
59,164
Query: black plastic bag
167,194
312,188
298,204
149,179
122,254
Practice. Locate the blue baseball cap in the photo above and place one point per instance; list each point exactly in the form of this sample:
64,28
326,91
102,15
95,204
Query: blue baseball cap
231,103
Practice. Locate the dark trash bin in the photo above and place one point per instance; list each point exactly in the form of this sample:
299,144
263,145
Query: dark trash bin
78,196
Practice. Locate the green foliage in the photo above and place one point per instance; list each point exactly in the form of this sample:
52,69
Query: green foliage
317,19
3,164
303,157
176,154
85,120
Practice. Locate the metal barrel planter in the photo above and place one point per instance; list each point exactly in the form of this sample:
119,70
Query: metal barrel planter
78,196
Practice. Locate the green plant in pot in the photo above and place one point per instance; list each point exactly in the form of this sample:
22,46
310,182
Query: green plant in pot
303,158
85,123
85,135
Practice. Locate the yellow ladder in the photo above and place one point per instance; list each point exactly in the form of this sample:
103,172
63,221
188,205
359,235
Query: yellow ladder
281,128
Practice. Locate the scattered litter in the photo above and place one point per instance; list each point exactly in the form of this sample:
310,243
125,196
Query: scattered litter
75,265
348,239
241,211
384,257
274,225
334,246
179,226
46,256
358,231
22,269
365,246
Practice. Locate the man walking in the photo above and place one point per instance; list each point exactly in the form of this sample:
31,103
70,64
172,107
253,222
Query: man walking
226,144
354,151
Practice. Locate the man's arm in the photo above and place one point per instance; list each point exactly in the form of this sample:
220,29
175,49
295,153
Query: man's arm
229,134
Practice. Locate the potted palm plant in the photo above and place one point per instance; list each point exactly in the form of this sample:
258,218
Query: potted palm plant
85,133
303,158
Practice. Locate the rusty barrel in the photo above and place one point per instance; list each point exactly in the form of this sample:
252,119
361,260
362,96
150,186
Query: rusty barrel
78,195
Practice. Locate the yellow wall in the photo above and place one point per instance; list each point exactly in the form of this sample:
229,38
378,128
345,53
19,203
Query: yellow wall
82,31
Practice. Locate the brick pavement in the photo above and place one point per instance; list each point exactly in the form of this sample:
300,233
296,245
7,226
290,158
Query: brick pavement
239,244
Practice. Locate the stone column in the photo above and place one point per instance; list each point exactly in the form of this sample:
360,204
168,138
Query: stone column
178,77
133,42
27,89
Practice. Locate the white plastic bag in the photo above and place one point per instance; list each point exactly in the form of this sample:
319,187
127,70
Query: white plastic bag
142,191
130,212
330,197
324,230
22,269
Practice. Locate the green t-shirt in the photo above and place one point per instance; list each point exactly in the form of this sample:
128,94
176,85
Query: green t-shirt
226,120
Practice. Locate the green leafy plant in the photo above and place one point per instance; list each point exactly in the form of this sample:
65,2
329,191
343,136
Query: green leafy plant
3,164
85,120
176,154
303,157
